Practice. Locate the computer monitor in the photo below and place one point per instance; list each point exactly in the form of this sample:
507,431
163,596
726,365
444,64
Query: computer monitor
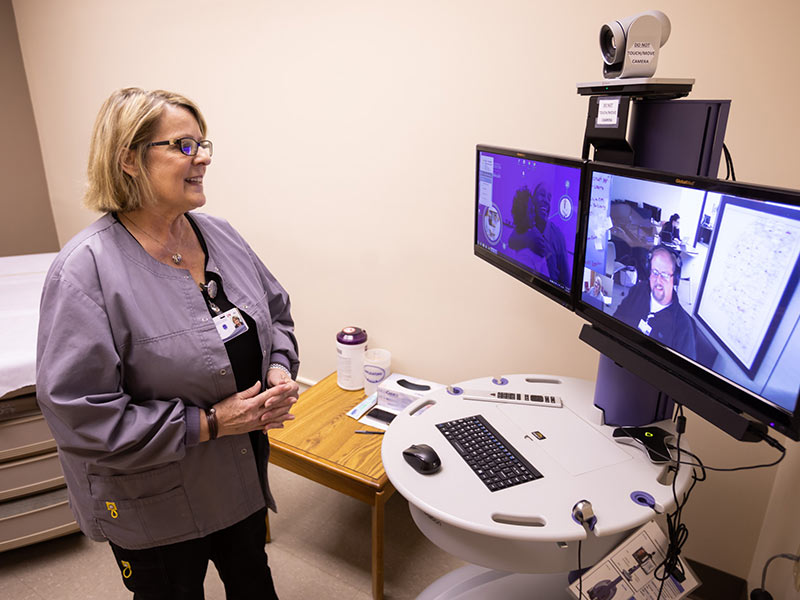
526,217
710,312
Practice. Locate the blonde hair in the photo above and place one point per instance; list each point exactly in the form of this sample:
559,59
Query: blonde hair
127,122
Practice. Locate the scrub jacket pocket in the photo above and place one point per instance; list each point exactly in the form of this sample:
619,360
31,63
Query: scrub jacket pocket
143,509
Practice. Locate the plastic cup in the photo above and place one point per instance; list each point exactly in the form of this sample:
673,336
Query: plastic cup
377,367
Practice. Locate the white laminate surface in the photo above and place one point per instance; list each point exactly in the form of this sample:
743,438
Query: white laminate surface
572,449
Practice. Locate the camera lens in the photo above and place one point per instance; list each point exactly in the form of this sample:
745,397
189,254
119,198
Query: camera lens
608,45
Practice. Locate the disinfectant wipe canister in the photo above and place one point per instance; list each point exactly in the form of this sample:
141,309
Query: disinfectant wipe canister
351,343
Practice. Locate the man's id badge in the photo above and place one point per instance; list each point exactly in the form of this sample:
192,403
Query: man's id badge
230,324
643,327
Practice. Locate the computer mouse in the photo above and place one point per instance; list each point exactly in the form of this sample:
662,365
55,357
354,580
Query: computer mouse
422,458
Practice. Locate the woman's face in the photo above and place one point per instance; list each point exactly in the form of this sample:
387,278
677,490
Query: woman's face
177,179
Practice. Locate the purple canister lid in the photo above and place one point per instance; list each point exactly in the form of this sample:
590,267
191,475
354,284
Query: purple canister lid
351,336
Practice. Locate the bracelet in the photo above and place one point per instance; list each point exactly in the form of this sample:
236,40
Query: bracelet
281,367
213,424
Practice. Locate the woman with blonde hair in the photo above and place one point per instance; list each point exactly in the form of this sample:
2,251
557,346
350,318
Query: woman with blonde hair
160,415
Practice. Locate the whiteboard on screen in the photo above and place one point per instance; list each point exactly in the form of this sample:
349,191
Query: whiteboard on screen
750,273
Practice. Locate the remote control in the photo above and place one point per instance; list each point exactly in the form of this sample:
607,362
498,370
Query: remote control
512,397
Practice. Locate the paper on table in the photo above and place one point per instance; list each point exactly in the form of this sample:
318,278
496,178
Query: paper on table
361,411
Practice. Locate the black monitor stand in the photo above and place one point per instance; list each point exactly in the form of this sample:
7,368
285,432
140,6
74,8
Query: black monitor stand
680,136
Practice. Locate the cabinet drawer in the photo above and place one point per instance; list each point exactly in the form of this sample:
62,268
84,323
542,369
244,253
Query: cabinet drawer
28,476
34,519
25,436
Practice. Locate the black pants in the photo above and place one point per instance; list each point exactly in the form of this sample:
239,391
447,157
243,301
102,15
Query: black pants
177,571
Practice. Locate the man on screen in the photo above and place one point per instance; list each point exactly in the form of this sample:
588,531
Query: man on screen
652,305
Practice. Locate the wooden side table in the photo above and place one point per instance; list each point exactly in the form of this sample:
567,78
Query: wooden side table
320,444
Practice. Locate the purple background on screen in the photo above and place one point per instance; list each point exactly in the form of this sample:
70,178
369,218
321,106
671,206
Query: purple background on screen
512,173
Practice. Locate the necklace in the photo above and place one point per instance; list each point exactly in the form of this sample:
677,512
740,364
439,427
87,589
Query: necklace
176,256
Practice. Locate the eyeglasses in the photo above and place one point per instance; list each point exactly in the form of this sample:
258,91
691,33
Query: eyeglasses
661,275
187,145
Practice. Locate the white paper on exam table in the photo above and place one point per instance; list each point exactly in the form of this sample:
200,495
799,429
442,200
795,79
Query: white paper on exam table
21,281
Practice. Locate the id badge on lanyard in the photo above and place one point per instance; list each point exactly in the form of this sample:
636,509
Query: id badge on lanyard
230,324
644,326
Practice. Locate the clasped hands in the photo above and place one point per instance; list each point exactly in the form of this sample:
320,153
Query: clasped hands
254,410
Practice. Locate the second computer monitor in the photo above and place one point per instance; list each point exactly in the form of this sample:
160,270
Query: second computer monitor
526,217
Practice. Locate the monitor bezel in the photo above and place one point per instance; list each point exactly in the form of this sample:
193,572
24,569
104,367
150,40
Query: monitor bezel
508,265
681,370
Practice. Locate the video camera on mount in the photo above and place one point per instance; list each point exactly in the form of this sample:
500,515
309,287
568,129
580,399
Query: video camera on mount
630,46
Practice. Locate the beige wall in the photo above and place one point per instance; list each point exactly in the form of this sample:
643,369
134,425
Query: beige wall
27,225
344,136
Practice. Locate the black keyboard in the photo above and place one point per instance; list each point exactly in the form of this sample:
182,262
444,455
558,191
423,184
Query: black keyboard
487,453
